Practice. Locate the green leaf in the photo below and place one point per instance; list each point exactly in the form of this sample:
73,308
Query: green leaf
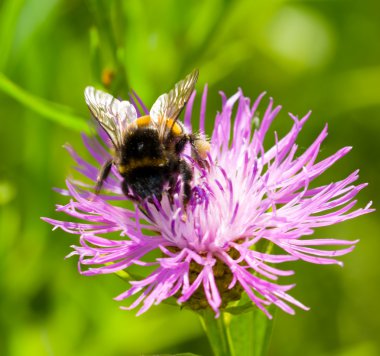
124,275
9,16
216,331
250,333
57,113
244,308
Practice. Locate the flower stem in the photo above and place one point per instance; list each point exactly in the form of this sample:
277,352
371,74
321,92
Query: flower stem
216,331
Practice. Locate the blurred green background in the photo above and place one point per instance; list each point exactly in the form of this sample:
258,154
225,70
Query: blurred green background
319,55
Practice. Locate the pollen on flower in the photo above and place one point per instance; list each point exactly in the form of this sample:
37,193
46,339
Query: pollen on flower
244,200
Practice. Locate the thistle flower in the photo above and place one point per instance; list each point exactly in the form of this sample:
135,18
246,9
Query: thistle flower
248,200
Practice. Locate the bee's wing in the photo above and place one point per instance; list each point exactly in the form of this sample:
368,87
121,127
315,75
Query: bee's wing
170,105
112,114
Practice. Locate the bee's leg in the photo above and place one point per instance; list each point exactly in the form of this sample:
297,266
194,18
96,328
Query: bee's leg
195,149
125,189
172,185
102,176
180,145
187,175
172,178
199,148
194,152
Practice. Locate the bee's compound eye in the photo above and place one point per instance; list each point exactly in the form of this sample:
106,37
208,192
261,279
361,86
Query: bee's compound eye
202,147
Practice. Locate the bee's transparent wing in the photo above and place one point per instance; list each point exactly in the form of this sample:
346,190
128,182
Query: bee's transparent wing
170,105
112,114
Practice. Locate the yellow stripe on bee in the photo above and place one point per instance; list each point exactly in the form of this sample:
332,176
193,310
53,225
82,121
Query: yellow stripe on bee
176,128
170,124
143,121
122,168
145,162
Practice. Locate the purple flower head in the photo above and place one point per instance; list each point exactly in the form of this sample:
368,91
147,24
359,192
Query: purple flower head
245,202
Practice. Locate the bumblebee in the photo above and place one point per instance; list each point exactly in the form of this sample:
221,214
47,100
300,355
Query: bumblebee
147,149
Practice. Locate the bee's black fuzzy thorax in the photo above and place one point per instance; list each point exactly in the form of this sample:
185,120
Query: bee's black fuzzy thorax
141,143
